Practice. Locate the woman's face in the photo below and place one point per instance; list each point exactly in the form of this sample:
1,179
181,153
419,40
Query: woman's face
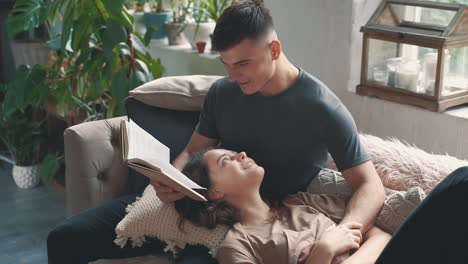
232,173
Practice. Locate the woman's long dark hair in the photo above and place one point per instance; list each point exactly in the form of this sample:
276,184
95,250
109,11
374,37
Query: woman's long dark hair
207,214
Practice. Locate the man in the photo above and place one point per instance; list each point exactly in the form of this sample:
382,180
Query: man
281,116
284,118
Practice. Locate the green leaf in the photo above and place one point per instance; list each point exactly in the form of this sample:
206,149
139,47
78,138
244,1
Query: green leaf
156,68
26,14
67,25
148,35
54,43
124,49
113,35
49,167
119,91
81,32
139,46
145,70
82,104
114,7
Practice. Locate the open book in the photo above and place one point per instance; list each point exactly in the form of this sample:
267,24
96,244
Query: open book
145,154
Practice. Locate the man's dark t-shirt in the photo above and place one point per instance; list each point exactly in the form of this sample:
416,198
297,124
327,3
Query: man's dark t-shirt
288,134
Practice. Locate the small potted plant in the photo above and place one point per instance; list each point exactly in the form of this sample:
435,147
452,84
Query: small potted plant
203,17
175,28
156,19
198,26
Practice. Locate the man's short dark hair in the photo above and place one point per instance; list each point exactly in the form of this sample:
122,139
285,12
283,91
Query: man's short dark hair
246,19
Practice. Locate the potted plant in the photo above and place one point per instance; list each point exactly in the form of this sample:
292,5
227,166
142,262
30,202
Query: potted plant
203,17
198,26
156,19
175,28
137,9
22,123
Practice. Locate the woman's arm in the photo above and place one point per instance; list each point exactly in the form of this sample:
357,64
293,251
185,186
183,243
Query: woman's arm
334,242
375,241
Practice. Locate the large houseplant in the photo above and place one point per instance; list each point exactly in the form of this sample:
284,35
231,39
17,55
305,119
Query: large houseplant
97,56
22,123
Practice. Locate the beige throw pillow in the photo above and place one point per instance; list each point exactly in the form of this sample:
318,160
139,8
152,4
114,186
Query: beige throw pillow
184,93
150,217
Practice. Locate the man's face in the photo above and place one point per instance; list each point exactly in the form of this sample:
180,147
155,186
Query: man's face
250,64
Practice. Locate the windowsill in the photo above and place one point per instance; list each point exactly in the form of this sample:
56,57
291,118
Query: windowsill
183,60
458,111
183,48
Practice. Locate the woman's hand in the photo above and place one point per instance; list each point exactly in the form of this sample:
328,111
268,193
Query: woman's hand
342,238
305,253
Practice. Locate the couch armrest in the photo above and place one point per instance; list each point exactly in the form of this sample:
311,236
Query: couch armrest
94,170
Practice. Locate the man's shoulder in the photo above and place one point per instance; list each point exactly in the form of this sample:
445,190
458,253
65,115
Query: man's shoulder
315,93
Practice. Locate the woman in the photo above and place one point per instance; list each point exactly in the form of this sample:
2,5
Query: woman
303,228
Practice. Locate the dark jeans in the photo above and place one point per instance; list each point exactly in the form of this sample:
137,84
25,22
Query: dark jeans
437,230
89,236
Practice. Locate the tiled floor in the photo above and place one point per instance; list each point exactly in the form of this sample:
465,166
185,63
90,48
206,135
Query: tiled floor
27,216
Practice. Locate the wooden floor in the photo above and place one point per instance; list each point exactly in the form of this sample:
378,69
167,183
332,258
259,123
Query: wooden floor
27,216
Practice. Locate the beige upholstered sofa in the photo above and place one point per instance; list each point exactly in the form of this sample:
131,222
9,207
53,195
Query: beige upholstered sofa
95,172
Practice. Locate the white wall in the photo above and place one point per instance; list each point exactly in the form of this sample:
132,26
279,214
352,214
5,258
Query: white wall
322,37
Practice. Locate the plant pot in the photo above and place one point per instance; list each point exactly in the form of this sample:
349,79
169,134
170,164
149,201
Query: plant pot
157,21
139,22
201,46
27,177
199,33
175,33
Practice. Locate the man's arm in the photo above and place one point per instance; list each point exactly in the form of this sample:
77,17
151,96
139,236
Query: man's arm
368,198
375,241
196,143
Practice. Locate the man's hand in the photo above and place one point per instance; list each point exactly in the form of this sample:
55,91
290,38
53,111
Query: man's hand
342,238
166,193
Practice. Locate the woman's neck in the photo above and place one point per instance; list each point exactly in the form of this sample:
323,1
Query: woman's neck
252,209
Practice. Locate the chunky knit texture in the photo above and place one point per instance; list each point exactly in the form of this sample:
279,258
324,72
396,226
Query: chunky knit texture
149,216
398,205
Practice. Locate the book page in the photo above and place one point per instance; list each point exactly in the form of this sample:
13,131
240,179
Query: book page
168,169
143,144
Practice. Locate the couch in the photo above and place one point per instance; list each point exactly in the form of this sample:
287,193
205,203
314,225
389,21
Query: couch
95,172
94,169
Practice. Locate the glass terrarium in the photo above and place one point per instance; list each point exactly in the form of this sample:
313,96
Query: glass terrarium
416,52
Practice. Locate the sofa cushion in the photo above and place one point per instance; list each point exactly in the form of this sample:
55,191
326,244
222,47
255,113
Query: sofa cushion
402,166
177,92
150,217
398,205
